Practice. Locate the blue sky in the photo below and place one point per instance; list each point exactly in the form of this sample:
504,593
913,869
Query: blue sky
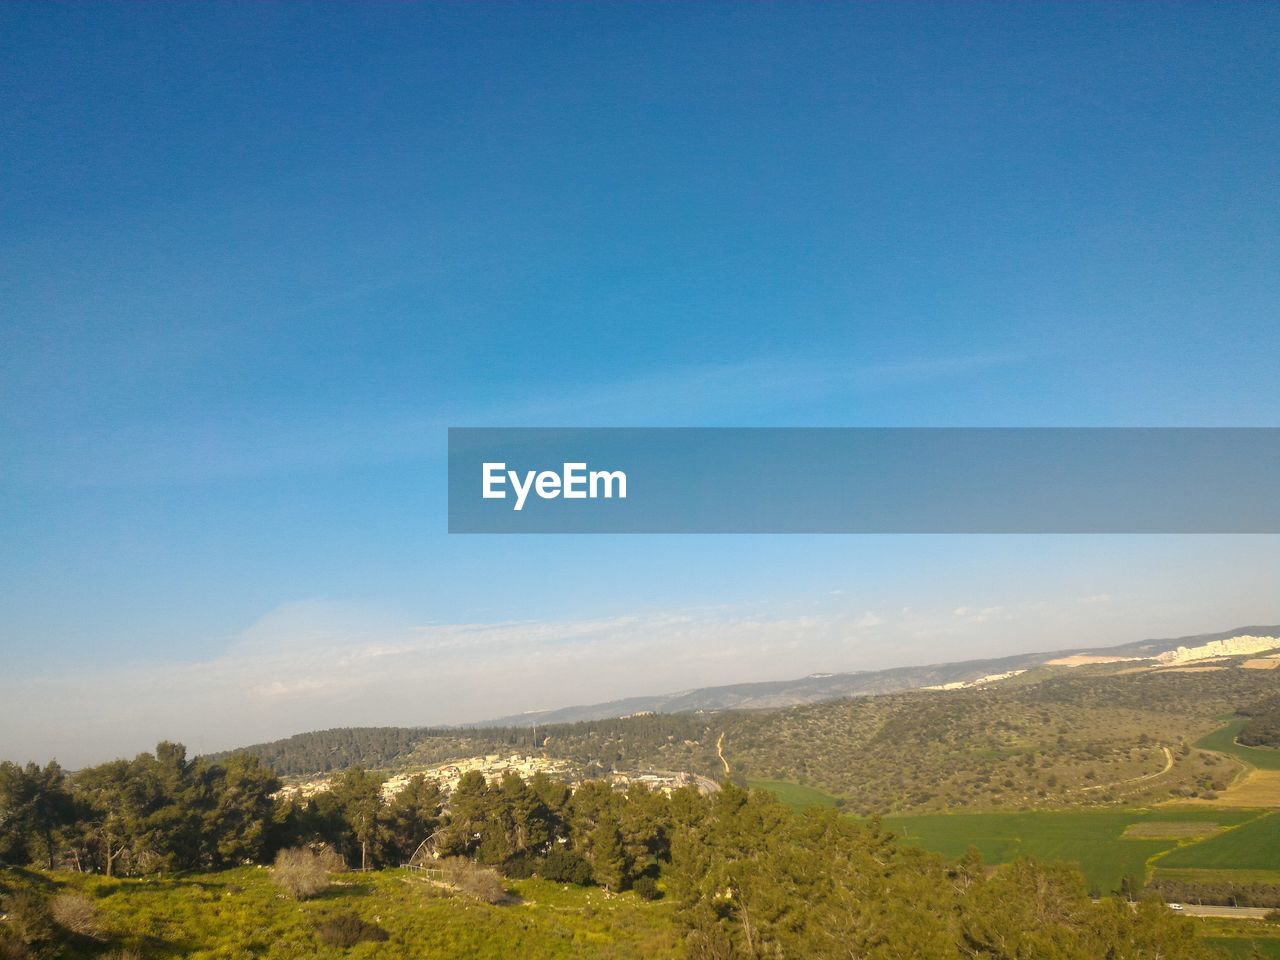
254,260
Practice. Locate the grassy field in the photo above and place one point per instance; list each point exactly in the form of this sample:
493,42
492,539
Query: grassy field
1241,938
795,795
1095,839
240,913
1247,946
1253,846
1223,740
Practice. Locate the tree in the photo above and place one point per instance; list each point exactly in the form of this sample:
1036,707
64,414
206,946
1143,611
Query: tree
358,794
35,805
468,806
112,812
411,817
608,857
237,820
532,824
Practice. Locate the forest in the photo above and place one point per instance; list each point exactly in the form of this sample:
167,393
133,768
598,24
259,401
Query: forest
739,874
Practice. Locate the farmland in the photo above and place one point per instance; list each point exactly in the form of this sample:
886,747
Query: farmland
1095,839
795,795
1254,845
1223,740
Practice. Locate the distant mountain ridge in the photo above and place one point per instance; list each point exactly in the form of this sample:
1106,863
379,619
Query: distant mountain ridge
817,687
377,747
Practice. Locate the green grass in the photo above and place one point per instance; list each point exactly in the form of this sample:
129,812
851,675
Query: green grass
1245,947
1253,846
1223,740
240,913
1091,838
795,795
1237,938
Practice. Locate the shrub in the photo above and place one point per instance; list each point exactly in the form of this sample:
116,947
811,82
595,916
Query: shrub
348,929
474,880
1272,916
562,866
303,873
646,888
520,866
30,920
76,913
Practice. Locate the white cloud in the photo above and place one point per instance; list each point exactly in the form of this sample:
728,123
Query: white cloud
979,615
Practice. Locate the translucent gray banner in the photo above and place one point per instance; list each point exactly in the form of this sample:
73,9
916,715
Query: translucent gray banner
864,480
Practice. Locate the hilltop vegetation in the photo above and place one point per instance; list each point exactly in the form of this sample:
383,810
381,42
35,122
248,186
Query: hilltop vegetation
734,875
322,751
668,741
1262,723
1080,739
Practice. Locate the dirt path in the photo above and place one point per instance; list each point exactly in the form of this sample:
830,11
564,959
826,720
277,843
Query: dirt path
1168,765
720,753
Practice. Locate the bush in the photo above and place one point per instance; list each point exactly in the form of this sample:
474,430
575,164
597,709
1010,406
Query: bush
1272,916
520,866
30,920
348,929
562,866
76,913
474,880
303,873
646,888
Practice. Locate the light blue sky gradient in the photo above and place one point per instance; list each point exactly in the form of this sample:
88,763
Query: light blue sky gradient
254,260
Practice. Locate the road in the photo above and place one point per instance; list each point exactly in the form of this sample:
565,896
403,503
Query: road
1238,913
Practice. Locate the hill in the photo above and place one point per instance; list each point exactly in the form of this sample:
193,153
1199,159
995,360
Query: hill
678,731
1054,738
831,686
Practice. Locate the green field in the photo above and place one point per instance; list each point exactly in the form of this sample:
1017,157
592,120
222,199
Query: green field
795,795
1246,947
1223,740
1092,838
1253,846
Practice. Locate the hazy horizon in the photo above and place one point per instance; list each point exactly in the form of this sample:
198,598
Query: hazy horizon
313,665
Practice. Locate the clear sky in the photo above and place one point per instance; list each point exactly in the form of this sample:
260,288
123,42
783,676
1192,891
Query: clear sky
254,260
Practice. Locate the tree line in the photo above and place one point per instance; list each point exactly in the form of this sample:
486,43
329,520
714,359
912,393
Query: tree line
1262,724
750,878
